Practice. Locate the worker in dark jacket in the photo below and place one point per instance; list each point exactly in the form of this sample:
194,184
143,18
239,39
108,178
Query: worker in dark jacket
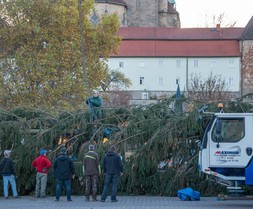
92,171
8,172
113,169
64,170
95,103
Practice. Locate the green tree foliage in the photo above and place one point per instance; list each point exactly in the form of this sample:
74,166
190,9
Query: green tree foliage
41,56
115,80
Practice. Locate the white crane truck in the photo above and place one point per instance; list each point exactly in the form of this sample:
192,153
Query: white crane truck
226,152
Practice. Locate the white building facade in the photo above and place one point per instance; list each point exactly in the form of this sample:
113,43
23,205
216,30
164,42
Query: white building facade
157,60
161,74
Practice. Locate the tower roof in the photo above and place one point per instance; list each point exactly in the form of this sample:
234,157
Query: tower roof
248,32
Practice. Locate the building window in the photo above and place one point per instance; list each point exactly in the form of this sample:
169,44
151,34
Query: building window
178,63
94,19
213,63
178,81
195,63
121,64
138,4
144,95
142,63
141,80
231,81
231,63
160,80
160,63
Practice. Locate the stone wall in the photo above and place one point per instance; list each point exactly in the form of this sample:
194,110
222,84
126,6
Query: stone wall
247,66
163,6
151,13
171,21
103,8
142,13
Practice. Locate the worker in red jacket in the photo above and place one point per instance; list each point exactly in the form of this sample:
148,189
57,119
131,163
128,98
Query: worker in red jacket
42,165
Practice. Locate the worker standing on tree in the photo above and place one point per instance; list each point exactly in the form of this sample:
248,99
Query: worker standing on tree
95,103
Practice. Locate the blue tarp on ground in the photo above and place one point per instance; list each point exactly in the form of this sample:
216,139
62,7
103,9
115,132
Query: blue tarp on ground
188,194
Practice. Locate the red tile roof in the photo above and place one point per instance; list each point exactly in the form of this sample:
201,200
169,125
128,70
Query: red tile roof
176,42
180,33
156,48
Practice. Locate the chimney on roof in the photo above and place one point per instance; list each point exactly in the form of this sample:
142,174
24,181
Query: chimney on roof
218,27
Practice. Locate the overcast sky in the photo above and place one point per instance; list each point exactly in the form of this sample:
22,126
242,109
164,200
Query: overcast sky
192,13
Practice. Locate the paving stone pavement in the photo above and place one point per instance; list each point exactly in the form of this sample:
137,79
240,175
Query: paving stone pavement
124,202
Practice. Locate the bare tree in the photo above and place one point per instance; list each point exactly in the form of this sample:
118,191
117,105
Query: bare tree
112,85
210,89
116,98
221,19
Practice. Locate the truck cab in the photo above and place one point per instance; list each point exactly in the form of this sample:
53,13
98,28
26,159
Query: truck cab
227,148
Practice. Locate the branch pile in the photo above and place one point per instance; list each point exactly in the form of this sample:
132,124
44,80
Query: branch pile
158,145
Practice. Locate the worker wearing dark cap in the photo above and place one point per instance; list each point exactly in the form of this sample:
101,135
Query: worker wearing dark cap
92,171
64,171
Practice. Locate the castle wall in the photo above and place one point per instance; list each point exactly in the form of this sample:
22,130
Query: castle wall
142,13
171,21
163,6
247,66
103,8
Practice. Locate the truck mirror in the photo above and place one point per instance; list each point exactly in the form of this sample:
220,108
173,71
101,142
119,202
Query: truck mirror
199,143
218,127
218,133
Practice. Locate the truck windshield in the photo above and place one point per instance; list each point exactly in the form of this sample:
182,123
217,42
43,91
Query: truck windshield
231,130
